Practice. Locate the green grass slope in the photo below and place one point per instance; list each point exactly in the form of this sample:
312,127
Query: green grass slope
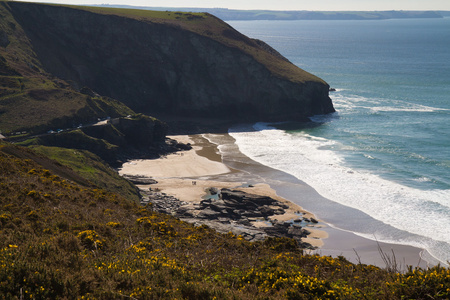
90,167
60,240
79,166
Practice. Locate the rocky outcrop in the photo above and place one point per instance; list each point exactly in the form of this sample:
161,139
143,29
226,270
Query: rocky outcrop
232,211
116,140
137,131
170,68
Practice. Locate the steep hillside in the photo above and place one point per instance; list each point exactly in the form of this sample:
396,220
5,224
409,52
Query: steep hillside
176,63
63,240
33,100
80,167
90,167
50,111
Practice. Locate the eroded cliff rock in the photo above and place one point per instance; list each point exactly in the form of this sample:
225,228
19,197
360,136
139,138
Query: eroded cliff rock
182,65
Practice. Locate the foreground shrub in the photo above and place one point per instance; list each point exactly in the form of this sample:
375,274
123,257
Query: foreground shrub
59,240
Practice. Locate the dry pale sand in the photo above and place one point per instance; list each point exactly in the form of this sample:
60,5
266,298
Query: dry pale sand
184,175
176,165
185,190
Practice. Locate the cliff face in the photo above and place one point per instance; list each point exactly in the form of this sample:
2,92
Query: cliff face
166,67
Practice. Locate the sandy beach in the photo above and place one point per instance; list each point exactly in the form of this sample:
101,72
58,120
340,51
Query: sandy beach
187,175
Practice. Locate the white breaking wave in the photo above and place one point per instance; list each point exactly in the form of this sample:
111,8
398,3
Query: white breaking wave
349,102
312,160
411,108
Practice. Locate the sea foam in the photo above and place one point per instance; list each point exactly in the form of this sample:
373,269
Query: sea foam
314,161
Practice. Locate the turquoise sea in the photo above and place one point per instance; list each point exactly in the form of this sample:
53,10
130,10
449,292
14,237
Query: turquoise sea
386,151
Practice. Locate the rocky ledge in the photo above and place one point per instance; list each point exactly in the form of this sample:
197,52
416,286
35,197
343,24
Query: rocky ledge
248,215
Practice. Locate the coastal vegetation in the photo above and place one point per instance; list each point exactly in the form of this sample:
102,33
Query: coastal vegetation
60,239
71,228
90,167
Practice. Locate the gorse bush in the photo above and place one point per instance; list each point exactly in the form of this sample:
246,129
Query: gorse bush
63,241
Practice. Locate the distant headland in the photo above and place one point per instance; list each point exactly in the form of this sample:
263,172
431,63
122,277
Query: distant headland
243,15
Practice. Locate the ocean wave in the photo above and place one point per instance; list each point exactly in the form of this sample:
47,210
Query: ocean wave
310,159
349,102
408,108
423,179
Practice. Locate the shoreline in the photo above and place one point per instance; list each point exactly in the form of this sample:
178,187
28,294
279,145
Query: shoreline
188,175
209,168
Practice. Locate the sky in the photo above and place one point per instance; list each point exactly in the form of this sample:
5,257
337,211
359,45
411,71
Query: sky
330,5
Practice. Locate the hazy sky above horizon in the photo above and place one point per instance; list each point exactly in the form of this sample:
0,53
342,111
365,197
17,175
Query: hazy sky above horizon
278,4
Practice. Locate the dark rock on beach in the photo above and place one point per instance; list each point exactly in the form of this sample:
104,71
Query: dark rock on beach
140,179
234,211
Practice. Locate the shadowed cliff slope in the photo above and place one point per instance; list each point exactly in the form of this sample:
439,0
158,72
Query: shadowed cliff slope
33,100
181,64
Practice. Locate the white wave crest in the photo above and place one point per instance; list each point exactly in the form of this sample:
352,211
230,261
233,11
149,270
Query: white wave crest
344,102
311,160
